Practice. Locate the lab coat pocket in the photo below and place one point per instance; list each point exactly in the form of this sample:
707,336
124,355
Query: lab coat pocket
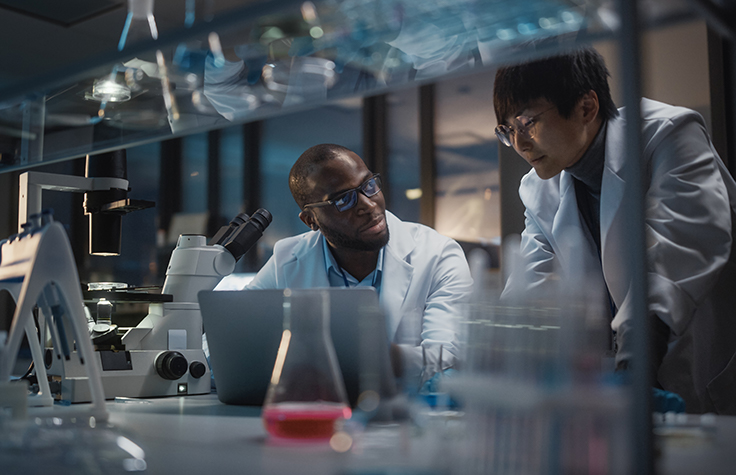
722,388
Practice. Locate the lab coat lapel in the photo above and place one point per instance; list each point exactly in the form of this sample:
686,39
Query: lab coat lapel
561,223
573,244
613,217
307,268
397,273
575,247
538,197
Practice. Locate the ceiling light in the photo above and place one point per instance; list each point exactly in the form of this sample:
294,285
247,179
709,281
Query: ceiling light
108,90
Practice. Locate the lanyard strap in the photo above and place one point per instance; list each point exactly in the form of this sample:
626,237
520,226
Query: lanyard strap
347,283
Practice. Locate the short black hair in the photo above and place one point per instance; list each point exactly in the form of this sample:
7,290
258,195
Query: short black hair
562,79
305,165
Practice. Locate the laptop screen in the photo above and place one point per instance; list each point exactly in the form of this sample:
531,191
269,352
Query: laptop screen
244,330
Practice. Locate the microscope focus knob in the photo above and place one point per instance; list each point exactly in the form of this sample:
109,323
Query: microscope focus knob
197,369
171,365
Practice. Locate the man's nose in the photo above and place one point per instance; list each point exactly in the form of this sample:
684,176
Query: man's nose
521,142
364,203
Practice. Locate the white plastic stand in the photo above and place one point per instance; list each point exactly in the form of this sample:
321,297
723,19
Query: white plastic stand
37,267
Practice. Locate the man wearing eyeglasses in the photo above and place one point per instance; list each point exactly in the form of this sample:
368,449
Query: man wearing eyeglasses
421,277
557,113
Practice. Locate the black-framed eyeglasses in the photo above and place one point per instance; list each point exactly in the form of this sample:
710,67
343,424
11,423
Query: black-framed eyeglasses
347,199
526,127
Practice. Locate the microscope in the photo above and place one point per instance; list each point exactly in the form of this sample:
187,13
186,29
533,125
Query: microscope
39,284
162,355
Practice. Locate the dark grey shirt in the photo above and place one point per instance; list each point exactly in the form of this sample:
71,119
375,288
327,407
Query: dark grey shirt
587,174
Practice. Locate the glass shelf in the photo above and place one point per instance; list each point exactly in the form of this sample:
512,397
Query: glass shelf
266,58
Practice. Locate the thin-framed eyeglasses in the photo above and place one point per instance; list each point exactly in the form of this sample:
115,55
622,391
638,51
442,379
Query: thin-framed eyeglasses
505,133
347,199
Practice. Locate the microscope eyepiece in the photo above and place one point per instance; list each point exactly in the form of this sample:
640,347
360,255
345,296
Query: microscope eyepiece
226,231
245,236
239,219
261,218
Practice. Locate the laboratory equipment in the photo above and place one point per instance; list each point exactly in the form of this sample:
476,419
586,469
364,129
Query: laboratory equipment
104,314
140,25
105,201
121,83
306,396
244,328
322,50
37,268
162,355
537,393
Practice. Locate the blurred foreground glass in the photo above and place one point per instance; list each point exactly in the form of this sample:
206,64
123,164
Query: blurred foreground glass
306,397
538,395
64,446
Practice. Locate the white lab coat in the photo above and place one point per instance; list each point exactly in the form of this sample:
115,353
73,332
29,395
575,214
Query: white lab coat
690,202
424,282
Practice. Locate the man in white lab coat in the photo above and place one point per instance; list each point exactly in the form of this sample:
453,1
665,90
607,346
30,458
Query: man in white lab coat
421,276
558,115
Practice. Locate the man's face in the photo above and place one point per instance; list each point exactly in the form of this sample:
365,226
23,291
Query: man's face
551,143
362,227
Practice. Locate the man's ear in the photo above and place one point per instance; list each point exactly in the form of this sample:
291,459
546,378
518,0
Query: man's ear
307,217
590,106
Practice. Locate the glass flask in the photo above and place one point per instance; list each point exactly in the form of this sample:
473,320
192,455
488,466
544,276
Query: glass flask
306,396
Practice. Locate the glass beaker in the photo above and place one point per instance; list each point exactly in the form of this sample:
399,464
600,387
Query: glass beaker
104,312
307,394
104,316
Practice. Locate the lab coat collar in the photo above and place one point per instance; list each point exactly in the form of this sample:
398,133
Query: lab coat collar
560,219
561,223
331,263
613,217
576,248
307,269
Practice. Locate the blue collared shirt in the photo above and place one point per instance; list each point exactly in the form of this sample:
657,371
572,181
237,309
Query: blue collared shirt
339,278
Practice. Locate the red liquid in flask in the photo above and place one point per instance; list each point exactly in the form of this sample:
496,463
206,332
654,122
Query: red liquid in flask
303,420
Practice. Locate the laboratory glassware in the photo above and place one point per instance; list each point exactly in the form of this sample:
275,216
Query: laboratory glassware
104,312
306,398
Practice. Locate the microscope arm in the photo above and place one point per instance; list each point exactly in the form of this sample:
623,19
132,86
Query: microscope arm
33,183
195,266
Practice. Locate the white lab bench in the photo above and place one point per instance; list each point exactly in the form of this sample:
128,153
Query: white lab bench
693,448
200,435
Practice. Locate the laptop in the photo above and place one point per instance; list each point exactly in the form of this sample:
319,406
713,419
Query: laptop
244,330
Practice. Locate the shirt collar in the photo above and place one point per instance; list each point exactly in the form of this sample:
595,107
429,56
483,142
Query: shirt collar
330,261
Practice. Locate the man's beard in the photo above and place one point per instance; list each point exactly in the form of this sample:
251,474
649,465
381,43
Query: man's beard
342,240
